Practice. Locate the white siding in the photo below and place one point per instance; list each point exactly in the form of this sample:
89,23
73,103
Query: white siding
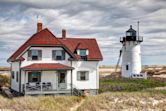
131,56
51,76
46,56
14,83
92,67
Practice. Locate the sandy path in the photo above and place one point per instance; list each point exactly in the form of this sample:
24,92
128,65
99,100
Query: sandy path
74,108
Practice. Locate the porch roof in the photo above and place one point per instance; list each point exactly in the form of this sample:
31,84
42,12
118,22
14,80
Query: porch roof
47,66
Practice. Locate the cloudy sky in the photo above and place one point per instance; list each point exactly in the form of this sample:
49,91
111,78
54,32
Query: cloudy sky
106,20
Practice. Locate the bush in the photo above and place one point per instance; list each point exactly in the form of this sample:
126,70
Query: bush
4,80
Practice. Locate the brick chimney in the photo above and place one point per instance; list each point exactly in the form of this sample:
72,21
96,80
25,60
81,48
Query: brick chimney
39,24
39,27
63,33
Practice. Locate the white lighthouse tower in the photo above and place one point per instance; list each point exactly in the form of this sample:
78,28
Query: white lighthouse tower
131,54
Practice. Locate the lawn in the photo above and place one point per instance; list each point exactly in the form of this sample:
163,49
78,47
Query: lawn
128,85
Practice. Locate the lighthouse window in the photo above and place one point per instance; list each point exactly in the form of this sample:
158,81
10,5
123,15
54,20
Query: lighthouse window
127,67
128,34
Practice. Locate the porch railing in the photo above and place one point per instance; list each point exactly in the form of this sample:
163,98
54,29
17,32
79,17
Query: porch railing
39,86
43,86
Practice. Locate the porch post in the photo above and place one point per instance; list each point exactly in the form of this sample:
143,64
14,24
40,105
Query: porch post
41,83
71,82
25,83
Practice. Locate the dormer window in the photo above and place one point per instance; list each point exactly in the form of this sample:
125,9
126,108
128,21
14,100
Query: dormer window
34,55
83,52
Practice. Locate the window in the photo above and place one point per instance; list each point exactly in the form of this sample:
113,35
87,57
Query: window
17,76
12,73
82,52
62,77
58,55
127,67
82,75
34,55
128,34
34,76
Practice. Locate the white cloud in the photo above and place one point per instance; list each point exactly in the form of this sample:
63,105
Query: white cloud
106,20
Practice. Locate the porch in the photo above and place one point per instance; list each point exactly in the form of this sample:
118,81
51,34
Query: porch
47,81
46,88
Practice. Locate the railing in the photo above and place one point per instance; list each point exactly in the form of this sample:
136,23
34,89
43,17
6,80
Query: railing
38,86
30,87
138,39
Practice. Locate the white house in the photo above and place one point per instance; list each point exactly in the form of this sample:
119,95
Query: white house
46,64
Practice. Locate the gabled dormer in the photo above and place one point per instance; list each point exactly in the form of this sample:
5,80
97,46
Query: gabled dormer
83,53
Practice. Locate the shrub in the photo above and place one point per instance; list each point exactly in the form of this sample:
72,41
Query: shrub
4,80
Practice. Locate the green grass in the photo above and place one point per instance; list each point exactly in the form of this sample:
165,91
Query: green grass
128,85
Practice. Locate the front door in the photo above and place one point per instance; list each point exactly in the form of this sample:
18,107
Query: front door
62,80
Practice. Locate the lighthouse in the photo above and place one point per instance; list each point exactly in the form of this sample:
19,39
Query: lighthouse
131,54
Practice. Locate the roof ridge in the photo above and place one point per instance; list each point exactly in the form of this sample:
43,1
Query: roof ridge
77,38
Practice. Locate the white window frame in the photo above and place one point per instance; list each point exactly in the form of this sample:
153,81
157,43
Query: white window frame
81,73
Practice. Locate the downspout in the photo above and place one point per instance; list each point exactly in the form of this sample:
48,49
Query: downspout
19,76
10,75
97,78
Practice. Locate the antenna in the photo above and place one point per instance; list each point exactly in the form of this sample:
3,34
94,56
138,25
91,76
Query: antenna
39,19
138,29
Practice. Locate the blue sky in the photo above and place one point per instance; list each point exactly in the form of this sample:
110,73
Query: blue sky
105,20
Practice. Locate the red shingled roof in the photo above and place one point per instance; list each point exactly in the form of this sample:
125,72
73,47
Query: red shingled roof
45,37
48,66
82,43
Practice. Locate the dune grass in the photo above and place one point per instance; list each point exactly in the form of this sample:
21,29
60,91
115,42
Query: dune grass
124,101
128,85
39,103
4,80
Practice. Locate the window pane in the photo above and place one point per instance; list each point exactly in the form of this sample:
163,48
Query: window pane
34,76
128,34
83,75
58,53
12,74
34,52
34,57
83,52
17,76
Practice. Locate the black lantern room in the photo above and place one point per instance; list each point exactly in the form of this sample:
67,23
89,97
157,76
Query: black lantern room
131,35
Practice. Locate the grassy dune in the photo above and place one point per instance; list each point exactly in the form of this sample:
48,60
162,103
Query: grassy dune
39,103
124,101
128,85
